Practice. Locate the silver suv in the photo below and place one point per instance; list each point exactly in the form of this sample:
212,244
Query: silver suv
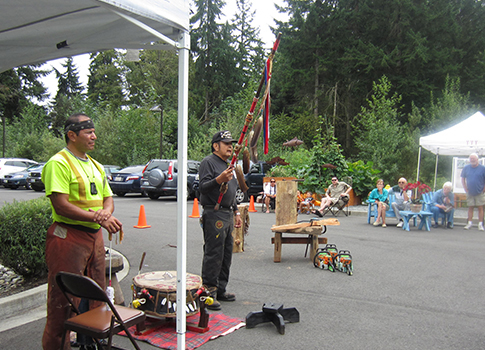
160,178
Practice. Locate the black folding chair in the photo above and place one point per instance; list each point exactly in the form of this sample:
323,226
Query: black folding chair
101,322
337,207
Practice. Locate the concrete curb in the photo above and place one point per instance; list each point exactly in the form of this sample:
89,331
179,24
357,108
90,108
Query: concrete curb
28,300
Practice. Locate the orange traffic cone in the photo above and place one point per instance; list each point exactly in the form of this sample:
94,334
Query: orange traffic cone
142,220
195,209
252,209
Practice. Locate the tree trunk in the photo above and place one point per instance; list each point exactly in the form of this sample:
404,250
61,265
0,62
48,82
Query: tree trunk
317,83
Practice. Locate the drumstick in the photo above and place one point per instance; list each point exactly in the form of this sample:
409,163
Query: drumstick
110,245
110,292
141,262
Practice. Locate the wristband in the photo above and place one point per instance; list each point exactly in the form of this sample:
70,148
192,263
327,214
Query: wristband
238,213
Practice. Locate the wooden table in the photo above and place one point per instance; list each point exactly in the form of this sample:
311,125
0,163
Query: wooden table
424,217
312,234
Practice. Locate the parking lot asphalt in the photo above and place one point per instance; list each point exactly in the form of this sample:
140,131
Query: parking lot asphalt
409,290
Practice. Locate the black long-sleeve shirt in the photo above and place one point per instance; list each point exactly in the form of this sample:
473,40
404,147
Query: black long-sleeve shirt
210,168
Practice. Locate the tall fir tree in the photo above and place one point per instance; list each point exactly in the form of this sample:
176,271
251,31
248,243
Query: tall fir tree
17,87
105,85
248,44
69,88
216,74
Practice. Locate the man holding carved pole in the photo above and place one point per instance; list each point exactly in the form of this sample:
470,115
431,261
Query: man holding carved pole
218,223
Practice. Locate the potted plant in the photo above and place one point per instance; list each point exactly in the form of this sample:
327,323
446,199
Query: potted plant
418,189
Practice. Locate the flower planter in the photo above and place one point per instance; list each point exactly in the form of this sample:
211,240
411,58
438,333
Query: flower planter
353,199
416,208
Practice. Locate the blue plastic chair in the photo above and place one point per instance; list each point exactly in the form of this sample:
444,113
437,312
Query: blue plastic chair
372,209
428,200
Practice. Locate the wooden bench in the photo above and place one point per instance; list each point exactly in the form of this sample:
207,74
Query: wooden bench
312,236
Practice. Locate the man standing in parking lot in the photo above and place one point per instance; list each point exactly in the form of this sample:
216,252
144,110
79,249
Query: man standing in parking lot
81,204
218,224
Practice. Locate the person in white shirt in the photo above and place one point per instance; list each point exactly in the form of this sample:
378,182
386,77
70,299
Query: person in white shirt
402,199
269,194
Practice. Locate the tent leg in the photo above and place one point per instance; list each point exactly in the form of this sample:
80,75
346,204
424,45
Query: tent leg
183,93
419,164
435,171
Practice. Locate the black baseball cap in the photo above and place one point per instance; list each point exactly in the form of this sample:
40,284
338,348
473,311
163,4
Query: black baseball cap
224,136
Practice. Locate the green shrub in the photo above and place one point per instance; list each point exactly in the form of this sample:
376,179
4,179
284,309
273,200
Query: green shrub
23,227
364,177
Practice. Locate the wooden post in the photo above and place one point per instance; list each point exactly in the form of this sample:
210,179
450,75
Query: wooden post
286,211
239,232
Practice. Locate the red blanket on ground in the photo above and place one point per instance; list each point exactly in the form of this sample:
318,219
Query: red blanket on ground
165,335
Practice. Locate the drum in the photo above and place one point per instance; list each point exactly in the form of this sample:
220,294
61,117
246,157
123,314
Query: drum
156,293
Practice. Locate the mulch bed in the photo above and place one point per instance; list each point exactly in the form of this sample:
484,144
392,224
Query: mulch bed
28,283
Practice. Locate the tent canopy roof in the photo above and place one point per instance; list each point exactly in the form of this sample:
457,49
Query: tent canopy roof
30,30
461,139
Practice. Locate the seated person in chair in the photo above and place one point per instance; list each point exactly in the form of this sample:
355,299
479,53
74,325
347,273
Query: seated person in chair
336,191
306,204
270,194
379,197
402,199
443,202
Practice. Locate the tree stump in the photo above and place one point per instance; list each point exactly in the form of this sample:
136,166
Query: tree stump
286,211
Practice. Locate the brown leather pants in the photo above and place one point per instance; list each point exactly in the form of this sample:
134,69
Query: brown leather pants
71,250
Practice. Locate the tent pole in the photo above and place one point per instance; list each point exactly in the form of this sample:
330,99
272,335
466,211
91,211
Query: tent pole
183,93
436,170
419,164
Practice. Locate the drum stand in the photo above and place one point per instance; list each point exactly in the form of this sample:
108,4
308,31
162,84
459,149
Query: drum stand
273,313
203,325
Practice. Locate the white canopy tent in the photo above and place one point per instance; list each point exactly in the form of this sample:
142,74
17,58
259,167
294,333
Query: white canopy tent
461,139
34,31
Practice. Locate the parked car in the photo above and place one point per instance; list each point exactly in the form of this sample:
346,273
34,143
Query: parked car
127,180
11,165
18,179
254,180
108,169
33,178
160,177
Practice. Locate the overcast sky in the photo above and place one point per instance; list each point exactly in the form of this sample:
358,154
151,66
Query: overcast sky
264,18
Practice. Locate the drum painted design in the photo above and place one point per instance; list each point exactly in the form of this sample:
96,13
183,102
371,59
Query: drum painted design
156,293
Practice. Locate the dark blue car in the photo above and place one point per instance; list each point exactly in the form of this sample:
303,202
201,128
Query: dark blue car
127,180
19,178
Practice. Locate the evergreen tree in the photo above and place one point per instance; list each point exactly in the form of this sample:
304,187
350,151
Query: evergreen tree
68,82
68,89
17,86
216,76
248,44
379,135
105,79
153,80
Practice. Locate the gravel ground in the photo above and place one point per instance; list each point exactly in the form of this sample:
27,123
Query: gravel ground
9,280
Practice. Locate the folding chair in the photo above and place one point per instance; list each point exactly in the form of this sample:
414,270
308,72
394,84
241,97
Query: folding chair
101,322
337,207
